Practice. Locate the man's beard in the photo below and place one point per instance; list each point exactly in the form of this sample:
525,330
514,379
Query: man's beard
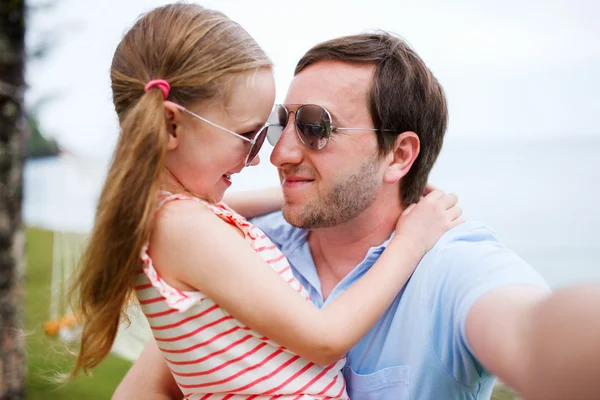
342,203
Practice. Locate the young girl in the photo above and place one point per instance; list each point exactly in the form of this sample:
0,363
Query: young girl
193,91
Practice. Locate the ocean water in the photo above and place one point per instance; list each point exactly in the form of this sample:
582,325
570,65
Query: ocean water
541,197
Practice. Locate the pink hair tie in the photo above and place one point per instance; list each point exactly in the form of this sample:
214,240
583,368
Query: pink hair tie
163,85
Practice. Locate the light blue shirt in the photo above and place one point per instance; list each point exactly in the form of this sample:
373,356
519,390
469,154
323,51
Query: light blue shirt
418,349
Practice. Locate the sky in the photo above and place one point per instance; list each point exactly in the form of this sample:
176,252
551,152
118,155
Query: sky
511,69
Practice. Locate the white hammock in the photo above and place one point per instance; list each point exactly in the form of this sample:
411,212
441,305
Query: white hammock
66,250
60,195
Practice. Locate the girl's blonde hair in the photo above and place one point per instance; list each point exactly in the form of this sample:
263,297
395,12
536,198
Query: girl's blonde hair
197,51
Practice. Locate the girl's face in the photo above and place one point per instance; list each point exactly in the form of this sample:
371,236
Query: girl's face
201,158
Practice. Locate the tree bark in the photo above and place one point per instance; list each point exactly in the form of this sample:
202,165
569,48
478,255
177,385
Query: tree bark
12,133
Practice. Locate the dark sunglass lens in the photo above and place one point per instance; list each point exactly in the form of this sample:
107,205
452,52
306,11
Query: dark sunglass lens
260,139
314,126
278,116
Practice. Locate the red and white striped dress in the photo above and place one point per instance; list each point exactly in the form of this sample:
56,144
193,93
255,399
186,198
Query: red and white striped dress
214,356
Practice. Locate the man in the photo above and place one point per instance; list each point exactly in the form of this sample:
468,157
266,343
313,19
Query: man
471,309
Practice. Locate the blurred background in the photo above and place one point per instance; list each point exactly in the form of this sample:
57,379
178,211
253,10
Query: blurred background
522,149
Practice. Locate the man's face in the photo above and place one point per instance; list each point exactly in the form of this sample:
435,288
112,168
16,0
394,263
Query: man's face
334,185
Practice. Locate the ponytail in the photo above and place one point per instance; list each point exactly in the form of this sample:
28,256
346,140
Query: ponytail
123,221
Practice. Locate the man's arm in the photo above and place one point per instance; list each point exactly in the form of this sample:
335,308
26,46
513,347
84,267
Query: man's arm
149,378
546,346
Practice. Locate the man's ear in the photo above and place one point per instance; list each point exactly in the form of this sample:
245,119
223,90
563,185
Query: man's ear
172,118
401,158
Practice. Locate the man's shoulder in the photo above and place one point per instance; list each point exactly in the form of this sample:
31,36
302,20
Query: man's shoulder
473,251
279,230
468,240
470,260
473,232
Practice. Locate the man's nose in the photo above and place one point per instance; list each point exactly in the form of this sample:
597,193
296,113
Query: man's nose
288,149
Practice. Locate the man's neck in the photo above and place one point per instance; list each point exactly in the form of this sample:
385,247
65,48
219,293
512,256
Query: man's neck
338,250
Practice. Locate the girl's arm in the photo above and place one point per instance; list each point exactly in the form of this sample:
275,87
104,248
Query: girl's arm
204,253
250,204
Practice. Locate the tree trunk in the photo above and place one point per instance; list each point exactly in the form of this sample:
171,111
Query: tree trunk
12,132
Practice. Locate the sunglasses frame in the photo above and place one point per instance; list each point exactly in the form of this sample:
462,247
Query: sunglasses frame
252,142
330,129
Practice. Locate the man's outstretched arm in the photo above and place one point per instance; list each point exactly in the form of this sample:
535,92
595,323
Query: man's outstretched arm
546,346
149,378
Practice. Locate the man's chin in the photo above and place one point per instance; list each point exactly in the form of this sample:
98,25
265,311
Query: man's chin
293,215
299,217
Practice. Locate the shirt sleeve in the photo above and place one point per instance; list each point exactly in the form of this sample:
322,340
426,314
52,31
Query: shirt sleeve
463,268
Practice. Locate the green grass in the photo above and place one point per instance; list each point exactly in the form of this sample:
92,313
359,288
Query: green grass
502,393
48,356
